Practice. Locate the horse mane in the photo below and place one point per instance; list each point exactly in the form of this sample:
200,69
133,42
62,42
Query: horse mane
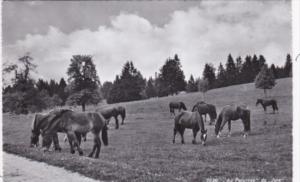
183,105
53,123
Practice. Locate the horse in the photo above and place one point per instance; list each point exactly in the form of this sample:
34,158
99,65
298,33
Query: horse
74,123
110,112
122,112
264,103
190,120
204,109
229,113
176,105
39,123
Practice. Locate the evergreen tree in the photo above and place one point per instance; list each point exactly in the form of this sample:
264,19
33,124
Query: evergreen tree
265,79
246,71
62,93
192,85
84,81
203,86
150,88
230,71
221,77
255,66
239,64
288,66
209,74
274,71
106,88
171,77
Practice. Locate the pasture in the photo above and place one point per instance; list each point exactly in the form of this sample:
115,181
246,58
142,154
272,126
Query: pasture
142,149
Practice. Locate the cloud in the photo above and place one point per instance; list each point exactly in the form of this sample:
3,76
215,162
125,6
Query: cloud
207,33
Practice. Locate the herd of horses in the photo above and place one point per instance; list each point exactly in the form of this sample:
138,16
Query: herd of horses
77,124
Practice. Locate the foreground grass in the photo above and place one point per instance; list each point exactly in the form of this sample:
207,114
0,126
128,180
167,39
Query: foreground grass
142,149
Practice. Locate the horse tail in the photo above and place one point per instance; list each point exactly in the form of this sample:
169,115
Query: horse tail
276,106
218,123
183,106
177,118
123,114
104,135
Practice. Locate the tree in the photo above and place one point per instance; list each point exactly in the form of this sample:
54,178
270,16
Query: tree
209,74
230,71
171,77
288,66
246,71
192,85
106,88
239,64
84,81
265,79
150,88
129,86
203,86
62,93
221,77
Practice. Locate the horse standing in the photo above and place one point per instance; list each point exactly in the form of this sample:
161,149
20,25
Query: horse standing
191,120
230,113
265,103
108,113
204,109
122,112
176,105
75,124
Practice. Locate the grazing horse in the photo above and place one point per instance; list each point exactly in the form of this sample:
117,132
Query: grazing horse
107,113
191,120
176,105
39,123
122,112
230,113
266,103
74,123
204,109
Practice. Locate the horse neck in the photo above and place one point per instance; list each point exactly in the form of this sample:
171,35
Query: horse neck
200,121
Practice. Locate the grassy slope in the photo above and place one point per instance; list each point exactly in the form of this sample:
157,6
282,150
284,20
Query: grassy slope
142,150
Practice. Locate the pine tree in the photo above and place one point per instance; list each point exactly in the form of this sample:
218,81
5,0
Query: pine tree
150,88
246,71
230,70
265,79
239,64
106,89
203,86
171,77
221,77
209,74
192,85
288,66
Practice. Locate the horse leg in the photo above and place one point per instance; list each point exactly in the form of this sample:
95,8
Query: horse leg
122,120
78,137
175,131
84,137
182,133
195,131
221,127
98,146
229,128
66,138
117,122
73,137
56,142
71,144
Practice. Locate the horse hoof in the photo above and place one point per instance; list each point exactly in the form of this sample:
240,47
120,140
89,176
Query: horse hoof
218,136
173,141
194,142
58,149
80,153
72,151
45,150
90,155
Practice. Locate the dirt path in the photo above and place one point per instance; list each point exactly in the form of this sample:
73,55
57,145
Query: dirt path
21,169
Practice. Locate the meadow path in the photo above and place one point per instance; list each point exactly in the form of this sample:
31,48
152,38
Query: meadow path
22,169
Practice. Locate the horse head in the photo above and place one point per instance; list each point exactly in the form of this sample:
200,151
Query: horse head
258,101
35,130
203,136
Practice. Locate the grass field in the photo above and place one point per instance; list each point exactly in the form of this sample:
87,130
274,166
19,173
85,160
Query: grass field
142,149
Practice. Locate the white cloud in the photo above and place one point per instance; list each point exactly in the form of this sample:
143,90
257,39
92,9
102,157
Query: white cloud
207,33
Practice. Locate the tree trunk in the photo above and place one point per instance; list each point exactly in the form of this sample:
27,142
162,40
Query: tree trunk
83,107
265,92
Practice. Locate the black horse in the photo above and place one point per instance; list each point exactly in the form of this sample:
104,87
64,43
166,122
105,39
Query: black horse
176,105
266,103
204,109
122,112
107,113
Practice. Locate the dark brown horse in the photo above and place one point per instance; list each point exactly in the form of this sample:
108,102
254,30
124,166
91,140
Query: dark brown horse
190,120
176,105
230,113
74,123
39,123
122,112
107,113
204,109
265,103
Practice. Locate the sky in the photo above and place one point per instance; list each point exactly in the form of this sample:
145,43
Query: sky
145,32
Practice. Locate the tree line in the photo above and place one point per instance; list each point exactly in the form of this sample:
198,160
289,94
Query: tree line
83,85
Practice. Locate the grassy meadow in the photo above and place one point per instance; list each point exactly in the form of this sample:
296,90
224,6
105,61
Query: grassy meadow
142,149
